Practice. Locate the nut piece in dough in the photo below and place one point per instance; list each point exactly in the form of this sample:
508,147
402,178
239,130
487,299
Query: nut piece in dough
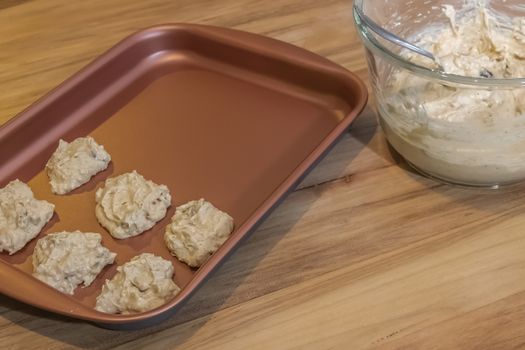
73,164
64,260
142,284
22,217
128,204
196,231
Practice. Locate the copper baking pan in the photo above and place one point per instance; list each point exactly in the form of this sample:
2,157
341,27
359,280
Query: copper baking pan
230,116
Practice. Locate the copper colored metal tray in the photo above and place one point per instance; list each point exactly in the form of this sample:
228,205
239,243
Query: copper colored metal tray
230,116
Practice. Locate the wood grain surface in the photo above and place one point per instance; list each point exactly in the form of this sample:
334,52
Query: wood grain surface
365,254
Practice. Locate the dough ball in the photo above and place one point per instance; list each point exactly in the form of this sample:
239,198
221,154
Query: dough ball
64,260
73,164
129,204
196,231
142,284
22,217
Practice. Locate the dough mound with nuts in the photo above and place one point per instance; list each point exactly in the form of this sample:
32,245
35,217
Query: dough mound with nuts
142,284
64,260
22,217
196,231
73,164
129,204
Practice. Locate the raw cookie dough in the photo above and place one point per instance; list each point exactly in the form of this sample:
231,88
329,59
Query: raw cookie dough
141,284
64,260
73,164
22,216
128,204
476,44
196,231
469,135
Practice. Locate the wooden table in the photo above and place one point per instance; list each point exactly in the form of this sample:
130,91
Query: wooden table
365,254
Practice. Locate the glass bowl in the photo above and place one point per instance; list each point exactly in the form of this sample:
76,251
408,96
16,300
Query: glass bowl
468,130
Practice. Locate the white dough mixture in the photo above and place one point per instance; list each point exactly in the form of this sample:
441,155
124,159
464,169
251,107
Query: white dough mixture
73,164
129,204
22,216
470,135
196,231
477,44
64,260
142,284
